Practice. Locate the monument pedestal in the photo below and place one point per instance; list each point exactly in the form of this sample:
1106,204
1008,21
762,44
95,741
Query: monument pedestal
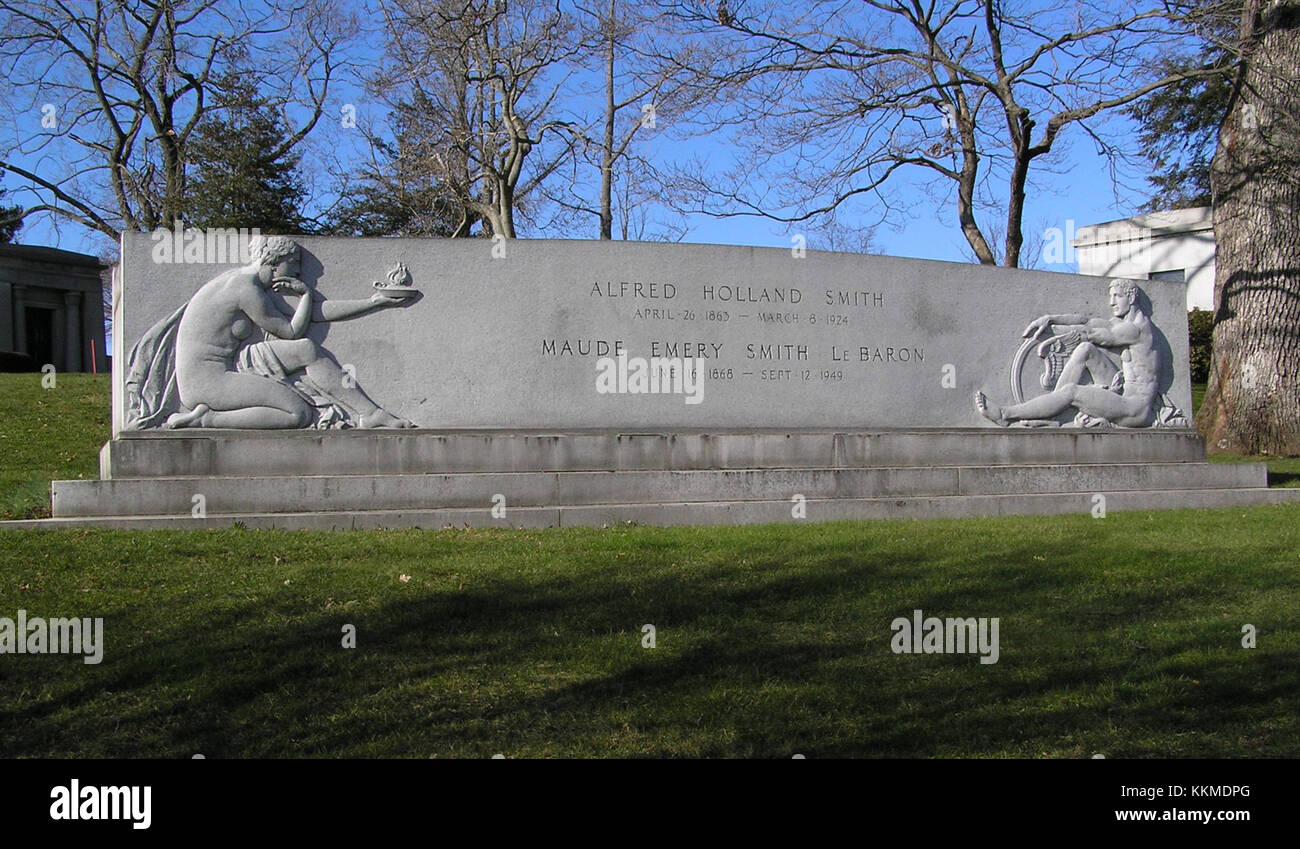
552,382
495,478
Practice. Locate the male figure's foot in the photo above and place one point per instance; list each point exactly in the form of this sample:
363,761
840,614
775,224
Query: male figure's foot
179,420
992,412
382,418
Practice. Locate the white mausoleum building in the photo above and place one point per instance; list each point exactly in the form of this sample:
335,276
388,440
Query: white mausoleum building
1173,245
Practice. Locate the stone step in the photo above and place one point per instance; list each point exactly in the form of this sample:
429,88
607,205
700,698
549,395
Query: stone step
267,494
404,452
698,513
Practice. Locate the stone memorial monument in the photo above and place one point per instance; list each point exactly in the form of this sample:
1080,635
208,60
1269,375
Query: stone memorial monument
323,382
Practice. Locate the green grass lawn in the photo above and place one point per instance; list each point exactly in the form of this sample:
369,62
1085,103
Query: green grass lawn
1119,636
48,434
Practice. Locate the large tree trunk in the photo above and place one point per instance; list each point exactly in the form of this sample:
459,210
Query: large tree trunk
1252,403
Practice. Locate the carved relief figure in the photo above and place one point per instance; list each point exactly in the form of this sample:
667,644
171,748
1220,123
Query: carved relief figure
207,364
1126,394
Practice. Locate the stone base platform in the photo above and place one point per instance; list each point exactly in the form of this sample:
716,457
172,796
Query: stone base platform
197,453
435,478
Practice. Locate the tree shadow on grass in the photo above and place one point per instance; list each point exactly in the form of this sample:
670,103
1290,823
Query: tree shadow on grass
764,649
1284,479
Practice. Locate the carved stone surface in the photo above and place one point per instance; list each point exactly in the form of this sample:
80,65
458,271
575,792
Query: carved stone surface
236,356
1097,372
513,334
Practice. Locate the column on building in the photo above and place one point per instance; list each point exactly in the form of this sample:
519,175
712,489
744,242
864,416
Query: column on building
6,316
92,311
20,319
72,333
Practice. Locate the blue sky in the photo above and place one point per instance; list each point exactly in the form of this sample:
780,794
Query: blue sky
1076,191
1079,189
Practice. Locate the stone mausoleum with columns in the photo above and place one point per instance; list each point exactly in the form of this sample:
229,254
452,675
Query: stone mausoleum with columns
51,308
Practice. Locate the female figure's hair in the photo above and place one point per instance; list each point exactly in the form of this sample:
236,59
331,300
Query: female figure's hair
271,250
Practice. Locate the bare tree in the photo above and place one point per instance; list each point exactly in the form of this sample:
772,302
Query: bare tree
634,94
105,95
1252,401
638,196
483,79
834,99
